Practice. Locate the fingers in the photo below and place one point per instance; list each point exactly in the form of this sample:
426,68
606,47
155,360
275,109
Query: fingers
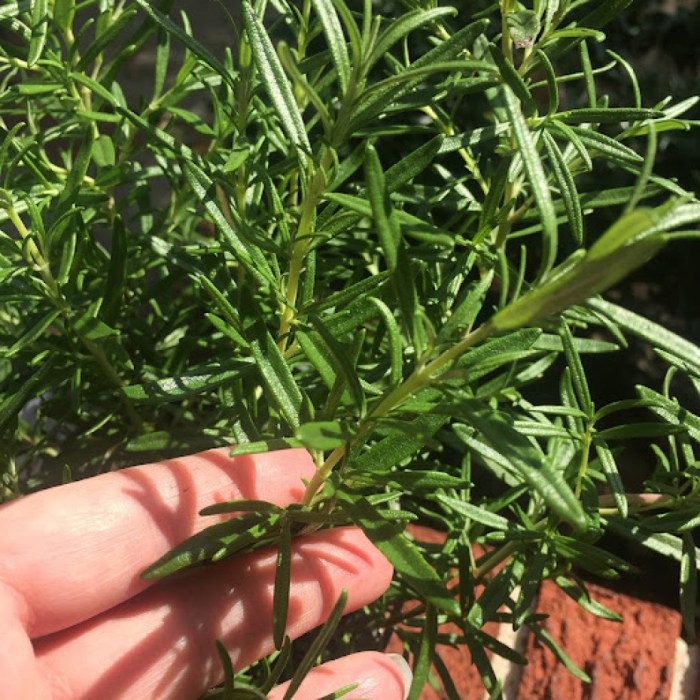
77,550
20,676
377,677
161,644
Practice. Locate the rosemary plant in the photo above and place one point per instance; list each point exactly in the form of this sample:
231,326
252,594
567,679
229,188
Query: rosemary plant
386,238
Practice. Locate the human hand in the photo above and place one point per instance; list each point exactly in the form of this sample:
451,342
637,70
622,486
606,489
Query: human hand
78,622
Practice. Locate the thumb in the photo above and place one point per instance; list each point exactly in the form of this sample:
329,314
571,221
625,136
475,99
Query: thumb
376,677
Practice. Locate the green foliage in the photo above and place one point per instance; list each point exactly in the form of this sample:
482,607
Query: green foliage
383,240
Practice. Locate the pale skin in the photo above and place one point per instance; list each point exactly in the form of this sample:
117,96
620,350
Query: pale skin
78,622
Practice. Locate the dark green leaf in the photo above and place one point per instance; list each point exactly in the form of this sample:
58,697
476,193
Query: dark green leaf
281,388
399,550
624,405
278,667
89,327
106,37
524,26
552,86
665,543
403,25
162,441
571,137
382,213
410,166
227,329
335,40
655,334
103,151
251,448
350,293
351,29
40,26
671,411
192,44
467,307
274,78
248,255
547,640
581,596
300,82
245,505
497,351
689,585
640,430
604,12
496,593
116,274
529,462
415,481
446,50
426,649
191,383
609,115
283,570
472,512
536,179
78,171
395,342
606,146
621,249
512,78
591,557
30,388
567,187
676,521
215,542
323,435
342,362
607,461
317,646
578,374
162,60
63,12
224,305
531,582
318,354
399,445
37,330
228,690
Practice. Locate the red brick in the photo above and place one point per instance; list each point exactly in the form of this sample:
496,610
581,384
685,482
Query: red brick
628,660
457,660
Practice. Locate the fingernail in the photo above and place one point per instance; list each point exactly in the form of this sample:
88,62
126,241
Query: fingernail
405,671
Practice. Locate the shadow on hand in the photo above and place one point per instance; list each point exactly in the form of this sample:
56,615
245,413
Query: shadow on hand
161,644
168,493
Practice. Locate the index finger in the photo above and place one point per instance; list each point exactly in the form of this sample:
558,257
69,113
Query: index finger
74,551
